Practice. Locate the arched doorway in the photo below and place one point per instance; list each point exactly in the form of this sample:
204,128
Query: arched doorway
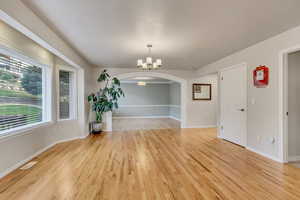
183,87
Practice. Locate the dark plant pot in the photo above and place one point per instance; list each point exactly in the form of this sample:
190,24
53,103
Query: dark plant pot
96,127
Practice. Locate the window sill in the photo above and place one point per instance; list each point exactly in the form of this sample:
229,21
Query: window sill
19,131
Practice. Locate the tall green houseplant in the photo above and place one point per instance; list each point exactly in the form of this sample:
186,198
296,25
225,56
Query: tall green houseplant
106,99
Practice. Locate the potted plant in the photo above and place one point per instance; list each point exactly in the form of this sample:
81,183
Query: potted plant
105,100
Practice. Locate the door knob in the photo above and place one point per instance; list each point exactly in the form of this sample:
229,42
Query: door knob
242,109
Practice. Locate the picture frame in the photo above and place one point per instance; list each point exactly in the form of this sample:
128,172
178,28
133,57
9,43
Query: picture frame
202,92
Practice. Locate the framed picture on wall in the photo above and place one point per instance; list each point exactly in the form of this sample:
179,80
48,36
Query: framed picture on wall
201,91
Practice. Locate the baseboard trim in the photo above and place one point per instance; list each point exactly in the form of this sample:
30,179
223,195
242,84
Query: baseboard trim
19,164
293,158
203,126
264,155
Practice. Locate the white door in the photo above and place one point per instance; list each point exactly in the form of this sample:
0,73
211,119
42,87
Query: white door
233,102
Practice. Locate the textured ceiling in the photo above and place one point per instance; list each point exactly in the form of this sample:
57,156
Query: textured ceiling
186,34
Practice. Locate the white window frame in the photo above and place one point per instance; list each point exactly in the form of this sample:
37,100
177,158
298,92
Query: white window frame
73,92
46,95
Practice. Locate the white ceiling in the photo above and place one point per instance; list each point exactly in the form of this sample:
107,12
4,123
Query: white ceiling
186,34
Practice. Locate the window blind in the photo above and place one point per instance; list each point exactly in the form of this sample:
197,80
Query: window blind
20,93
64,94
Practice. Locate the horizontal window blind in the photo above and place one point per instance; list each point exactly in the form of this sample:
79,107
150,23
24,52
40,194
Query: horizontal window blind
20,93
64,94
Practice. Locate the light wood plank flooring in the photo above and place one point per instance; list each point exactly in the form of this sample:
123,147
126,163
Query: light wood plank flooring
127,124
182,164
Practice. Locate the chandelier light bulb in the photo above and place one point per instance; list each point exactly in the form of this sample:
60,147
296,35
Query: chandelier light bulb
139,62
159,62
144,66
149,60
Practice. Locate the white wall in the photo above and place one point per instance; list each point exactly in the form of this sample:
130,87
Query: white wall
175,101
294,104
203,113
174,97
263,116
12,39
23,146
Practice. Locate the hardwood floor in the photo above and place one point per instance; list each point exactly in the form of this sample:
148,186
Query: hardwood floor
127,124
182,164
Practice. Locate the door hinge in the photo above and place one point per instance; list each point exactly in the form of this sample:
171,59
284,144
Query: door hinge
287,113
222,78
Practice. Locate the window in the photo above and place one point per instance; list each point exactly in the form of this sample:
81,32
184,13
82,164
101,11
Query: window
22,89
67,97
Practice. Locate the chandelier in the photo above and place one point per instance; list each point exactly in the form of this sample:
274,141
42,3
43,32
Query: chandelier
149,64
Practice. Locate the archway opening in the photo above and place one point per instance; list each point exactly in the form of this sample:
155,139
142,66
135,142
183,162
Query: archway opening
150,98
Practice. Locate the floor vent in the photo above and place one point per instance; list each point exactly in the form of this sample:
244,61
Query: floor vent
28,165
